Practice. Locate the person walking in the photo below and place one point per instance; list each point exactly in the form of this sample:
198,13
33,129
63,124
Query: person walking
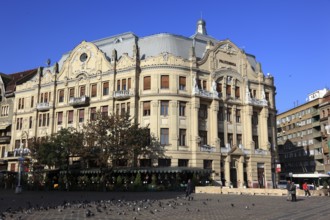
189,190
288,188
293,192
305,188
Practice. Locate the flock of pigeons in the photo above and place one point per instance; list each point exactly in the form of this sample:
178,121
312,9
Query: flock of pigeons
114,208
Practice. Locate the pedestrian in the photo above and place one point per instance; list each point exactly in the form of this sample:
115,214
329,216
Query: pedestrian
305,188
288,188
189,190
293,192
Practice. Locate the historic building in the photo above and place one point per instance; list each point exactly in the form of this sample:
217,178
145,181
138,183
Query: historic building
325,130
207,101
299,137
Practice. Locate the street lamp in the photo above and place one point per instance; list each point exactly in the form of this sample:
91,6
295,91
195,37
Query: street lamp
21,152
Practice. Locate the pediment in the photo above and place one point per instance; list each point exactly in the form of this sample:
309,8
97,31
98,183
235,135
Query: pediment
125,61
87,58
47,77
236,151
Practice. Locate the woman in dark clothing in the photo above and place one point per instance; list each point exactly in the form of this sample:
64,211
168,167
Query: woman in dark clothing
189,190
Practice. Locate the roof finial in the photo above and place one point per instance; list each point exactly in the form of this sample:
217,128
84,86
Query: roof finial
201,27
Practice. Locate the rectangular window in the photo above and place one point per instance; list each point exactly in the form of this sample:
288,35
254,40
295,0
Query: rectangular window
164,138
32,101
204,84
183,163
256,142
146,108
203,136
221,136
164,108
44,119
128,108
46,97
104,110
30,122
267,96
164,82
207,164
129,83
94,90
255,118
182,137
164,162
238,116
59,118
182,83
124,84
230,139
228,90
237,92
70,117
81,115
145,162
220,114
71,92
117,109
219,87
229,114
202,112
118,85
106,88
82,91
41,98
93,114
199,84
239,139
182,109
122,109
146,83
61,96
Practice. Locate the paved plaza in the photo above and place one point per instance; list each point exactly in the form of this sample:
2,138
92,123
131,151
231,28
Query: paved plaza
157,205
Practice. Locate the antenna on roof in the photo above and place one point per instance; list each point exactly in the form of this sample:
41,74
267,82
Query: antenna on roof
48,62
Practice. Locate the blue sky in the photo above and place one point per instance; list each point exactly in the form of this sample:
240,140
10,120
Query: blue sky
291,38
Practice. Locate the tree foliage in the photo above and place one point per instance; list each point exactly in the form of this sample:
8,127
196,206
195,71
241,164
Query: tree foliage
56,150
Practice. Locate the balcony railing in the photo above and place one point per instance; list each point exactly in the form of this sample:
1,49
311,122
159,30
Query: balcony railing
4,139
258,102
204,93
44,106
78,101
207,148
123,94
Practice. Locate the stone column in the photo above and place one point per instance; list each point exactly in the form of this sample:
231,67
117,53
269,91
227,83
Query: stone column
195,139
213,124
173,124
240,171
227,170
154,118
247,126
263,129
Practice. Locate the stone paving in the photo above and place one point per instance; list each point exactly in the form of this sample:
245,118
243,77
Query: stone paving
157,205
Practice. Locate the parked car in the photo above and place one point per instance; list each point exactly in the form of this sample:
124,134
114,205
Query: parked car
282,184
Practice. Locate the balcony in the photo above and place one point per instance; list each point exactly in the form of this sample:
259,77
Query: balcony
319,167
5,139
79,101
203,93
318,156
207,148
123,94
44,106
257,102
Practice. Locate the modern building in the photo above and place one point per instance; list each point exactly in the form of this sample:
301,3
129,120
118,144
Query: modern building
299,137
207,100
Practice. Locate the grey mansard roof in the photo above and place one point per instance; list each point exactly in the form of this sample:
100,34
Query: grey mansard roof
154,45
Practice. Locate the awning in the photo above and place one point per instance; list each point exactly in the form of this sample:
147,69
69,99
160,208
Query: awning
161,170
4,126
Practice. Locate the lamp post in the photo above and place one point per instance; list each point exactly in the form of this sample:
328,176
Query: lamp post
22,152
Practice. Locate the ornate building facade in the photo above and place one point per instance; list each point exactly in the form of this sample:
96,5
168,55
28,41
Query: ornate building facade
207,101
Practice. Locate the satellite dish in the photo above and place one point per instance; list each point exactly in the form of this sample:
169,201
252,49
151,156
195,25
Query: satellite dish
48,62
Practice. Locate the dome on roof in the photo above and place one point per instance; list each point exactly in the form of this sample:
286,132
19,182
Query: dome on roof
201,27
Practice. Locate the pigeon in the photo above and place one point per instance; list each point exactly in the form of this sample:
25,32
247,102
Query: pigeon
246,207
232,205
